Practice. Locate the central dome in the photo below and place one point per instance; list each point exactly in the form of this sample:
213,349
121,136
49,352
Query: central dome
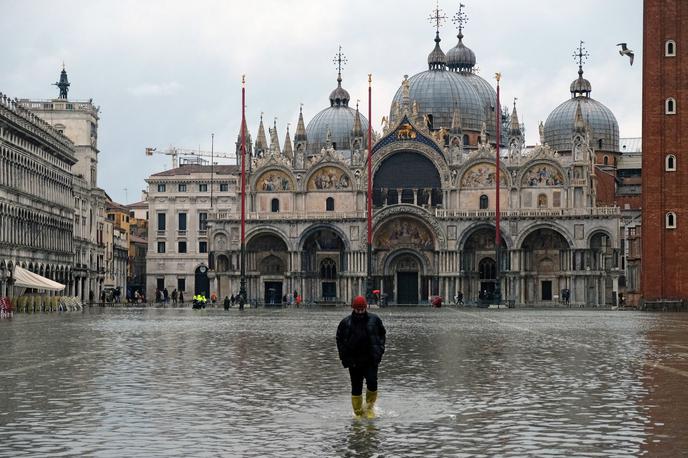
440,93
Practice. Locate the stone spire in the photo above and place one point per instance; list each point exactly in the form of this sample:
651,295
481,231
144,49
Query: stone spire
63,85
274,141
261,141
300,135
515,126
437,59
358,129
247,139
288,151
456,127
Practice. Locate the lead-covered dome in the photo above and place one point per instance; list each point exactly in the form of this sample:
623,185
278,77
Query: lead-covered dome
339,119
560,124
439,92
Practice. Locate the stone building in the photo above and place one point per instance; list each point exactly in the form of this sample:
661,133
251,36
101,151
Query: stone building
78,121
179,202
665,175
36,203
434,180
116,236
138,246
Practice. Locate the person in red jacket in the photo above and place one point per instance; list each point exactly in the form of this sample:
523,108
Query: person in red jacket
361,340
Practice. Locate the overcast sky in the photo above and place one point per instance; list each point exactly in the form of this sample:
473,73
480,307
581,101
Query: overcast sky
169,72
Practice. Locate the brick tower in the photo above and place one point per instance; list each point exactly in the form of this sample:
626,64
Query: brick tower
665,150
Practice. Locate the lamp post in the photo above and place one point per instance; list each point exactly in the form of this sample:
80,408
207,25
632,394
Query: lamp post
369,274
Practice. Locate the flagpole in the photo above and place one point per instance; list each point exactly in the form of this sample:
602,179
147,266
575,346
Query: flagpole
498,290
242,285
369,275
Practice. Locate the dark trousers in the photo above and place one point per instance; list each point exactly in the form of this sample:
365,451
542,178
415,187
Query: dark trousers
357,374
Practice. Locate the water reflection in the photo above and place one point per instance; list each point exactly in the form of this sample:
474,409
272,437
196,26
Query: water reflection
176,382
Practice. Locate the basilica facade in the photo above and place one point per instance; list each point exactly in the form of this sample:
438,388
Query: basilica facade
434,186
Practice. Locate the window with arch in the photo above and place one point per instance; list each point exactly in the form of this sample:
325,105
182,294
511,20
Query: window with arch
670,106
329,204
483,202
542,201
328,269
274,204
605,160
600,143
465,140
670,48
671,220
670,163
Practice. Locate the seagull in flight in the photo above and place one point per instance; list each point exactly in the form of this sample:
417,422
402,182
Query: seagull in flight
625,51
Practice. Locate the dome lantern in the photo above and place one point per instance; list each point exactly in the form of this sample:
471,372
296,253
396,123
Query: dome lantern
460,58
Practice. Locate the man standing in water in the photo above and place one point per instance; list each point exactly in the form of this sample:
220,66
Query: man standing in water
361,344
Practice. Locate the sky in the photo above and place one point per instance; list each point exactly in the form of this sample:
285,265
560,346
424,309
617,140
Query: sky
168,73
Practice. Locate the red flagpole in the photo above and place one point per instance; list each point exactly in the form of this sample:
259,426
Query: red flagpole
498,290
499,121
242,280
369,276
370,163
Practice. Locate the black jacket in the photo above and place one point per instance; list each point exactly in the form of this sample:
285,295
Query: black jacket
346,336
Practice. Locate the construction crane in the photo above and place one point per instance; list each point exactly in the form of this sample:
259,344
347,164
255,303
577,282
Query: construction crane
175,153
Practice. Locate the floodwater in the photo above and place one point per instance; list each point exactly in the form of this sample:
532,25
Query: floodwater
453,382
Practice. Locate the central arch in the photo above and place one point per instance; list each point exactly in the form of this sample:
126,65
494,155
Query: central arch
407,177
405,277
268,255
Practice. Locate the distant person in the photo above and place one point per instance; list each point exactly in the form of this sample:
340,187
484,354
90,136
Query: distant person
174,296
361,344
165,296
213,298
232,299
181,296
242,301
226,303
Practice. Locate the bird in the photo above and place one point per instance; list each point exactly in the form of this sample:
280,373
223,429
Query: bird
625,51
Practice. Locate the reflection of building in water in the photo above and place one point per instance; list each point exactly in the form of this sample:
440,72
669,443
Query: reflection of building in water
434,177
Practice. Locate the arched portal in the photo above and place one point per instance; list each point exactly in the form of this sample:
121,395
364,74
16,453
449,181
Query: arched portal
322,260
478,261
202,284
407,177
544,254
267,254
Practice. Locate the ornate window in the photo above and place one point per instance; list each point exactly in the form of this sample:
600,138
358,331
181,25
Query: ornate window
275,205
329,204
328,269
671,220
605,160
483,202
670,48
670,106
670,163
542,201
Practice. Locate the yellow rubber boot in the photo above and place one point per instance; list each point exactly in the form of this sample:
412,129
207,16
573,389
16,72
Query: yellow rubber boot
371,397
357,404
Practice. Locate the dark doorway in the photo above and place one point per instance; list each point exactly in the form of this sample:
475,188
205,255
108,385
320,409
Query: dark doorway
407,284
487,290
329,290
273,292
547,290
202,284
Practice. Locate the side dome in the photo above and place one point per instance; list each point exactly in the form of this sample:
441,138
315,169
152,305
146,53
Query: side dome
561,122
339,120
461,58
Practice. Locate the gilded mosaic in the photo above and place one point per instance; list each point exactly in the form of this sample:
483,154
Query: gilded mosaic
329,178
481,175
542,175
404,231
274,180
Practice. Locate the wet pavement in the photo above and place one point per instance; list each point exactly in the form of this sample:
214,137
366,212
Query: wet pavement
454,382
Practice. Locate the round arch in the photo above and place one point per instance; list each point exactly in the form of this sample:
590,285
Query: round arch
273,178
550,173
472,230
312,229
260,231
328,176
386,213
518,243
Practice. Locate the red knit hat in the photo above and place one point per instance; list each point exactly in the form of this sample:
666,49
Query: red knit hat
359,303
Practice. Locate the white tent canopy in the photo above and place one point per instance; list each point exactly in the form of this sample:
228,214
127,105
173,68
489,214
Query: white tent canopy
26,279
